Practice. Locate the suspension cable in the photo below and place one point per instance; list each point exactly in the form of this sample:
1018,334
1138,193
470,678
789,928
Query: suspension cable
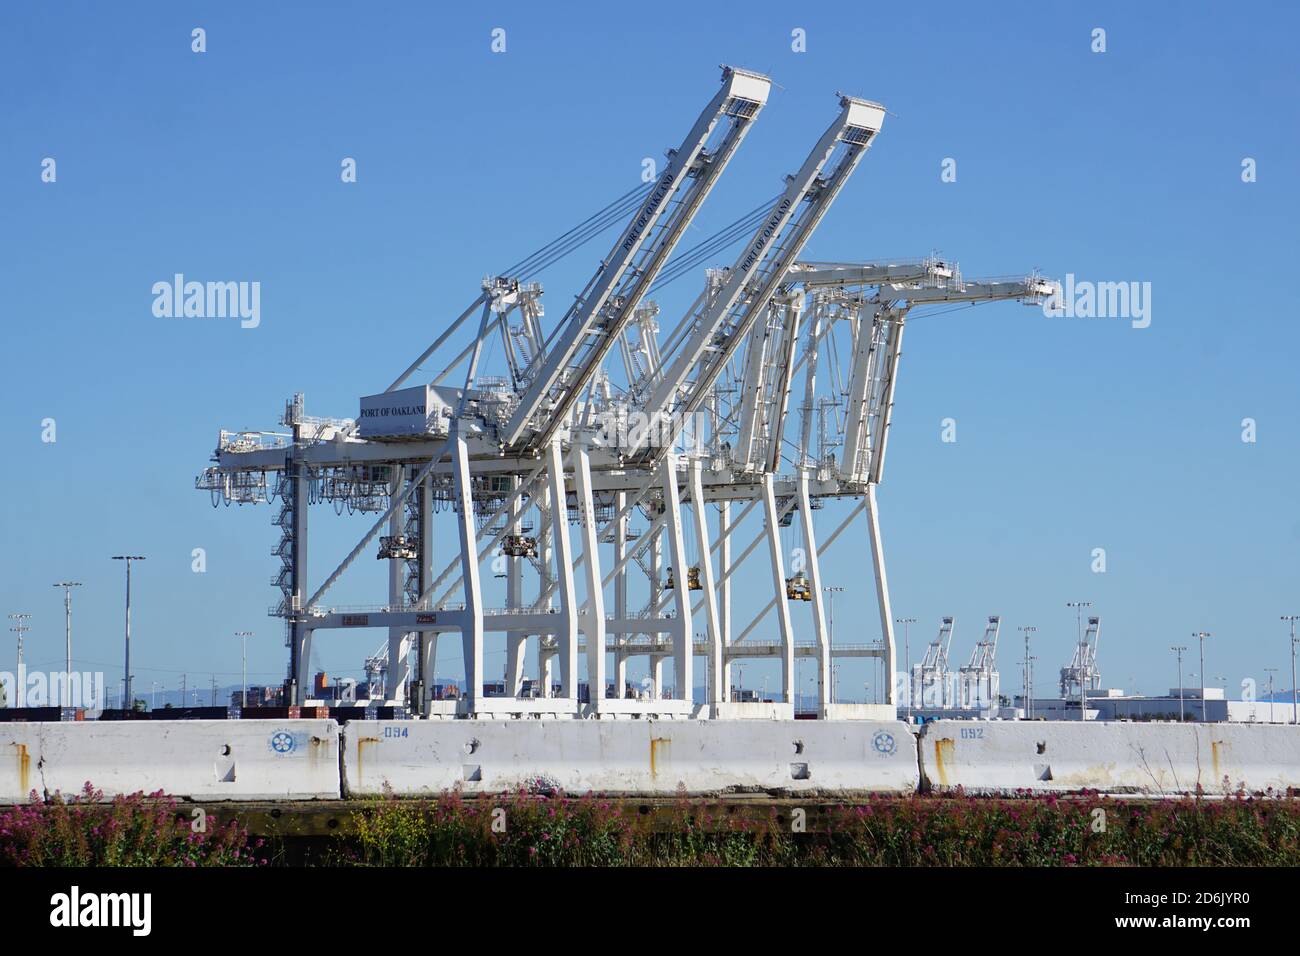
528,261
726,236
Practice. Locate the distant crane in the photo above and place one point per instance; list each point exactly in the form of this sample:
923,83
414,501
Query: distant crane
1081,674
930,677
978,680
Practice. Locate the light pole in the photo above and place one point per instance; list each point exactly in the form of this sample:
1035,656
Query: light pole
20,628
1292,618
1178,649
1270,671
831,609
1027,630
1083,655
67,620
243,687
832,591
1201,636
127,701
153,695
907,650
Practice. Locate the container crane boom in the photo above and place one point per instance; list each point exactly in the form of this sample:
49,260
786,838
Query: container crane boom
878,349
598,316
721,322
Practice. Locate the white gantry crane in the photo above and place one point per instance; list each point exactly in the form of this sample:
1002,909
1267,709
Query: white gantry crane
978,680
1082,670
615,473
930,683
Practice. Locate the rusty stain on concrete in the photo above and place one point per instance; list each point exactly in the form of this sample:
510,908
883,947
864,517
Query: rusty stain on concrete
659,745
319,747
24,769
1214,757
362,742
943,747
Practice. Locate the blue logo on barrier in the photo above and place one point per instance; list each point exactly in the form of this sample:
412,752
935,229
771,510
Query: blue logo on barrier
884,744
283,742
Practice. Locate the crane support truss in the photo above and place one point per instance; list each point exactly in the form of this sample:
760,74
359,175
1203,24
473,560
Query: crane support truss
577,530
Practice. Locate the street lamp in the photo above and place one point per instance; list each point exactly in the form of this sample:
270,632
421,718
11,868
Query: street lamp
1270,671
1178,649
20,628
1201,636
243,688
127,702
1027,630
1292,618
67,619
1083,655
907,649
832,591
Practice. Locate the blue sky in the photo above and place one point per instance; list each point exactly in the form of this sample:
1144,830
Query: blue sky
1072,434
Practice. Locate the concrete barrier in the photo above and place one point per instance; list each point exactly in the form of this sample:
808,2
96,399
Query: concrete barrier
414,758
198,759
1123,757
299,759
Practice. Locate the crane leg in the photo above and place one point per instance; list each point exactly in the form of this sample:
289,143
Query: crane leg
516,641
716,666
882,595
683,644
819,611
594,624
301,637
395,678
428,665
773,532
472,623
567,635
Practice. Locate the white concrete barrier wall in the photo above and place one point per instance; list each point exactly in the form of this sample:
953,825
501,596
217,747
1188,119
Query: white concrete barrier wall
414,758
299,759
199,759
1124,757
